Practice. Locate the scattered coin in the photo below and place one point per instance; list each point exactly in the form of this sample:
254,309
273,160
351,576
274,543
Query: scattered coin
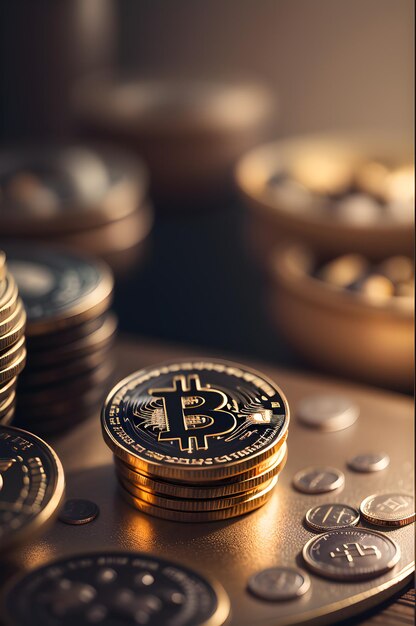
369,462
31,485
318,479
389,509
327,412
77,511
329,516
115,588
351,554
279,583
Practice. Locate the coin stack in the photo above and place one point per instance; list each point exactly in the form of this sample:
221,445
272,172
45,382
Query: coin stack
88,199
69,334
197,441
12,341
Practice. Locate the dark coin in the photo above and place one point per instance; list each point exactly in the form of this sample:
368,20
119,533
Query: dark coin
330,516
63,337
279,583
389,509
351,554
318,479
58,289
77,511
195,420
370,462
118,589
31,485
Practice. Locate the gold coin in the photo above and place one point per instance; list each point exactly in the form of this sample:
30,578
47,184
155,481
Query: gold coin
11,353
10,322
215,490
254,502
8,296
6,405
193,505
15,333
8,417
7,388
14,368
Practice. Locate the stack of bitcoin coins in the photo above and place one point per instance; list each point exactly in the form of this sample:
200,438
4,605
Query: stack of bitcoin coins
88,199
12,341
197,441
69,333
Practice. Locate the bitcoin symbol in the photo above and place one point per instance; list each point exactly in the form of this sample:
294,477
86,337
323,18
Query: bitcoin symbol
193,413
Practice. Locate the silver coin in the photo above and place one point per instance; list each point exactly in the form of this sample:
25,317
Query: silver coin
389,509
318,479
327,412
330,516
369,462
351,554
279,583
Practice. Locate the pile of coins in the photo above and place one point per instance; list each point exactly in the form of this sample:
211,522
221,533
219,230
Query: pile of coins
12,341
380,282
197,441
359,194
69,334
90,200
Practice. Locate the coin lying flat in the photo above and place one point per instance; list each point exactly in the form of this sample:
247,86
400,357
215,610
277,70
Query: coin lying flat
318,479
250,504
7,388
77,511
227,487
327,412
195,420
15,333
369,462
8,296
58,289
329,516
389,509
117,588
11,353
351,554
279,583
31,485
14,368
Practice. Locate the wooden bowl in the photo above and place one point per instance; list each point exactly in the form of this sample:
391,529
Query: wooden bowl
270,222
338,330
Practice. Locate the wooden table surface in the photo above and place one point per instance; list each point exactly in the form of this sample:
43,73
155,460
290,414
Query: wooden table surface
399,611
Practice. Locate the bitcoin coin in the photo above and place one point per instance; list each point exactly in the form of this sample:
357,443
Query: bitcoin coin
14,368
251,504
195,420
318,479
351,554
369,462
77,511
58,289
116,588
327,412
279,584
388,509
31,485
227,487
329,516
193,505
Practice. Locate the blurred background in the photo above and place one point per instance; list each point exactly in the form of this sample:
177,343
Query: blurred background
210,245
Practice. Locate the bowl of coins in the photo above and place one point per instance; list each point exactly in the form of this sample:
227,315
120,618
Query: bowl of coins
90,199
336,194
348,315
188,133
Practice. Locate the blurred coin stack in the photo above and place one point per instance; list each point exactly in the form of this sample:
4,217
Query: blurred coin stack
88,199
69,336
196,442
12,341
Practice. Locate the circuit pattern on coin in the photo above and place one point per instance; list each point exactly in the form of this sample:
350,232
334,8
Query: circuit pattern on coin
117,589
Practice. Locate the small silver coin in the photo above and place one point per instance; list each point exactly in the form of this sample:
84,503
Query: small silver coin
389,509
369,462
318,479
330,516
279,583
327,412
351,554
77,511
